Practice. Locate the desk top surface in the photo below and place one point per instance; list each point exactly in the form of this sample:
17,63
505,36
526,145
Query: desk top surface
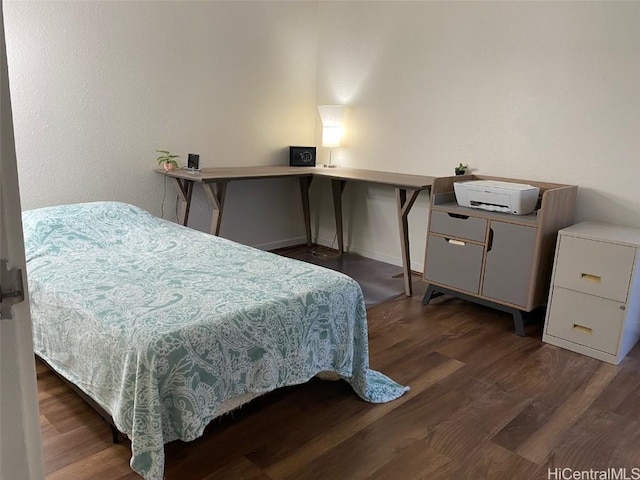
227,174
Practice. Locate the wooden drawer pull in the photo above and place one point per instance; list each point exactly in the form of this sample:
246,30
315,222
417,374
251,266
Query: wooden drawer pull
451,241
590,278
581,329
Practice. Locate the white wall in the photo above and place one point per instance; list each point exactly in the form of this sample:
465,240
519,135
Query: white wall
99,86
534,90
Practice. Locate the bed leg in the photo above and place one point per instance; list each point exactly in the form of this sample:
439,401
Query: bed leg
114,434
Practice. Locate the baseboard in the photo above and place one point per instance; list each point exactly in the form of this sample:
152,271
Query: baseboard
290,242
416,267
328,243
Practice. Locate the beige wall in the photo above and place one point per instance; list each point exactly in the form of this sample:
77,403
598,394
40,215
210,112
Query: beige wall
534,90
99,86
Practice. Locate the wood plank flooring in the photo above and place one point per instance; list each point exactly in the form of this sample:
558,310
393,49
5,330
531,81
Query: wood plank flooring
379,281
484,404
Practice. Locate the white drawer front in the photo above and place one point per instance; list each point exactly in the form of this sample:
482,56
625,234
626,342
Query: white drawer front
585,320
596,268
459,226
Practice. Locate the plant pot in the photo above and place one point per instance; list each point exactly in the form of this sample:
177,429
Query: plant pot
168,166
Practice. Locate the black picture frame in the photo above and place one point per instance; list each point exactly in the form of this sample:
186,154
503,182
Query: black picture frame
302,156
193,162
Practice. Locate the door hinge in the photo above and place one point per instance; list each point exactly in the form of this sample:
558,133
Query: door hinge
11,289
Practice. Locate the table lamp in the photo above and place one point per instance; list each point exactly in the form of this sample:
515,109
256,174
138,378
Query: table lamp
332,117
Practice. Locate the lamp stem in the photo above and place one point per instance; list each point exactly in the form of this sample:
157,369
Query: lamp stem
330,152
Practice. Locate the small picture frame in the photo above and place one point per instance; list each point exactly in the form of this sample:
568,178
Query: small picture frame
193,162
302,156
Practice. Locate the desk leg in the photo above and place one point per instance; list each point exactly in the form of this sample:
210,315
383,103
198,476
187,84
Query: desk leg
184,188
404,206
337,187
216,193
305,184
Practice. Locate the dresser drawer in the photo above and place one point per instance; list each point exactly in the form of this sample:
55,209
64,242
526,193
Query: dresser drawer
454,263
594,267
586,320
459,226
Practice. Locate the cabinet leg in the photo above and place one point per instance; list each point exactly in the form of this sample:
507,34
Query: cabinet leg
430,294
518,322
518,315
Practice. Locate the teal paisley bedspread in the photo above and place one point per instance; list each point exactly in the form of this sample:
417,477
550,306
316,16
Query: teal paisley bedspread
160,324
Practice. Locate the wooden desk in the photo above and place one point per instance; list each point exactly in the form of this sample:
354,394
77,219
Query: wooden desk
215,181
402,183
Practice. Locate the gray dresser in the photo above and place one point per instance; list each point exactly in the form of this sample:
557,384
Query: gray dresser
496,259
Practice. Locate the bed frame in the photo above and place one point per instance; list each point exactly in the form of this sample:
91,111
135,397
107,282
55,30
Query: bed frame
115,433
225,407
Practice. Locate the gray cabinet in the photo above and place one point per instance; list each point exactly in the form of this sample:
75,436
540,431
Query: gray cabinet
594,305
496,259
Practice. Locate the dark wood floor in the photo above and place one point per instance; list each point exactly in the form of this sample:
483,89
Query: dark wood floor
484,404
379,281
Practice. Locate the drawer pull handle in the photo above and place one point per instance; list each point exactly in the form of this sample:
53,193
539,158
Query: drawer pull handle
457,215
590,278
581,329
451,241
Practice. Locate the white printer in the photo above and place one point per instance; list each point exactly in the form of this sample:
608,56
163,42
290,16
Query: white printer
506,197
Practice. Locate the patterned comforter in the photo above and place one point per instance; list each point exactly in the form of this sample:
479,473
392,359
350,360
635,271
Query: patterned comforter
161,324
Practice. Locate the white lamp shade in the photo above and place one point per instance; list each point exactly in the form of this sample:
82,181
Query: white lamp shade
332,119
331,136
332,115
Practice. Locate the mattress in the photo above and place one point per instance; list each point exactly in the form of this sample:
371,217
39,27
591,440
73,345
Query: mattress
162,325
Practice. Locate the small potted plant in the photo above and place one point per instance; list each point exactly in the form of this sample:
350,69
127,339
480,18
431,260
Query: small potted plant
461,169
167,161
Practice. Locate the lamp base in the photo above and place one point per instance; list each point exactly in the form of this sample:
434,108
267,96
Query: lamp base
329,165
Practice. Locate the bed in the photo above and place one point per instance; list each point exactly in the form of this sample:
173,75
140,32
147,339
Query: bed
167,328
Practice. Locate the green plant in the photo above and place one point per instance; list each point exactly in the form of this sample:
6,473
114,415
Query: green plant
461,169
167,158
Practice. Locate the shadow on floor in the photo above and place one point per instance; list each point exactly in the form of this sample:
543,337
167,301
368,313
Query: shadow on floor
379,281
